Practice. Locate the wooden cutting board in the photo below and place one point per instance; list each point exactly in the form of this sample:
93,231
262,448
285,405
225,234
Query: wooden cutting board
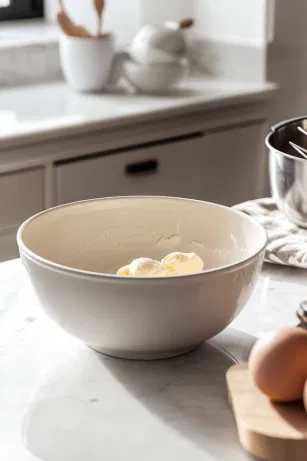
269,431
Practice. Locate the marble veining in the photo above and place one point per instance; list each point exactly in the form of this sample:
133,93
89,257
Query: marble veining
61,401
31,55
29,64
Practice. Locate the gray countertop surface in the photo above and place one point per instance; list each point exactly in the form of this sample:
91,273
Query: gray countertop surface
49,111
61,401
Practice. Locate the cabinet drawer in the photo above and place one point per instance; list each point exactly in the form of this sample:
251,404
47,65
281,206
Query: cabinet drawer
8,245
22,195
226,166
168,169
236,171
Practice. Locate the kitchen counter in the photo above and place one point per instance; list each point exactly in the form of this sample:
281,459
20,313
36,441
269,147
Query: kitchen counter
57,146
49,111
51,385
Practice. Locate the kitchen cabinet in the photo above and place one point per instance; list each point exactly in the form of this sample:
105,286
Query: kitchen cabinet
8,245
164,169
223,166
22,195
236,166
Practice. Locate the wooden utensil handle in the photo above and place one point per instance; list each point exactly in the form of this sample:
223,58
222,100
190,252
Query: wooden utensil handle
64,23
186,23
99,6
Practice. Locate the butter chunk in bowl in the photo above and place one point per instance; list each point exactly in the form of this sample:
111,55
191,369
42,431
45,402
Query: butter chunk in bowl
73,253
175,263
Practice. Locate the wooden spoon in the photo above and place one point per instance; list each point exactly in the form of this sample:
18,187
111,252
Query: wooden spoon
68,26
65,24
99,6
82,32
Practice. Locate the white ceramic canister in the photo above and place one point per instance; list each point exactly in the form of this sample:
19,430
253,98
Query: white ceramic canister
86,62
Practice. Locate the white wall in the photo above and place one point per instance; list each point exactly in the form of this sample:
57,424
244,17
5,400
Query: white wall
124,17
121,17
242,21
157,11
287,59
232,20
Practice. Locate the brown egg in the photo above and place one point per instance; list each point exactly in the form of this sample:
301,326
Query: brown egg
278,364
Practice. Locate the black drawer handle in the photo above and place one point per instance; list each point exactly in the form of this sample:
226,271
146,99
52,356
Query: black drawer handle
142,168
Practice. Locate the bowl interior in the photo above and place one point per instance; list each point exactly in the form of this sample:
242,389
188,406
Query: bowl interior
279,139
105,234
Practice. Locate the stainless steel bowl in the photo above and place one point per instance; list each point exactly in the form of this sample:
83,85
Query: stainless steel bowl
288,171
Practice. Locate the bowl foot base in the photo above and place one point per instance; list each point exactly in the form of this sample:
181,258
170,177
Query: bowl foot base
133,355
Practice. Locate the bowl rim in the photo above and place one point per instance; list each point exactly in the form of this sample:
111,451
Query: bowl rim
80,272
274,150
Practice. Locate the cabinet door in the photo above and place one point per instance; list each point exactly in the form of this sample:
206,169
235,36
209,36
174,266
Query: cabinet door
227,167
166,169
8,245
235,169
22,195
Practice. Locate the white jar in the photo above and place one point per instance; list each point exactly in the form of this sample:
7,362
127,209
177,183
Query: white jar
86,62
155,43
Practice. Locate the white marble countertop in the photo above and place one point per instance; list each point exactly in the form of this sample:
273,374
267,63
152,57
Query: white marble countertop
61,401
51,110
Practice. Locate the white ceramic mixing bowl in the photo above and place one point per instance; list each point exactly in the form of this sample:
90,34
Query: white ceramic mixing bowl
71,253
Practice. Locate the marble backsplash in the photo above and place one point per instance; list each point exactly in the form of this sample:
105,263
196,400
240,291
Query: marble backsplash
37,62
229,60
29,63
